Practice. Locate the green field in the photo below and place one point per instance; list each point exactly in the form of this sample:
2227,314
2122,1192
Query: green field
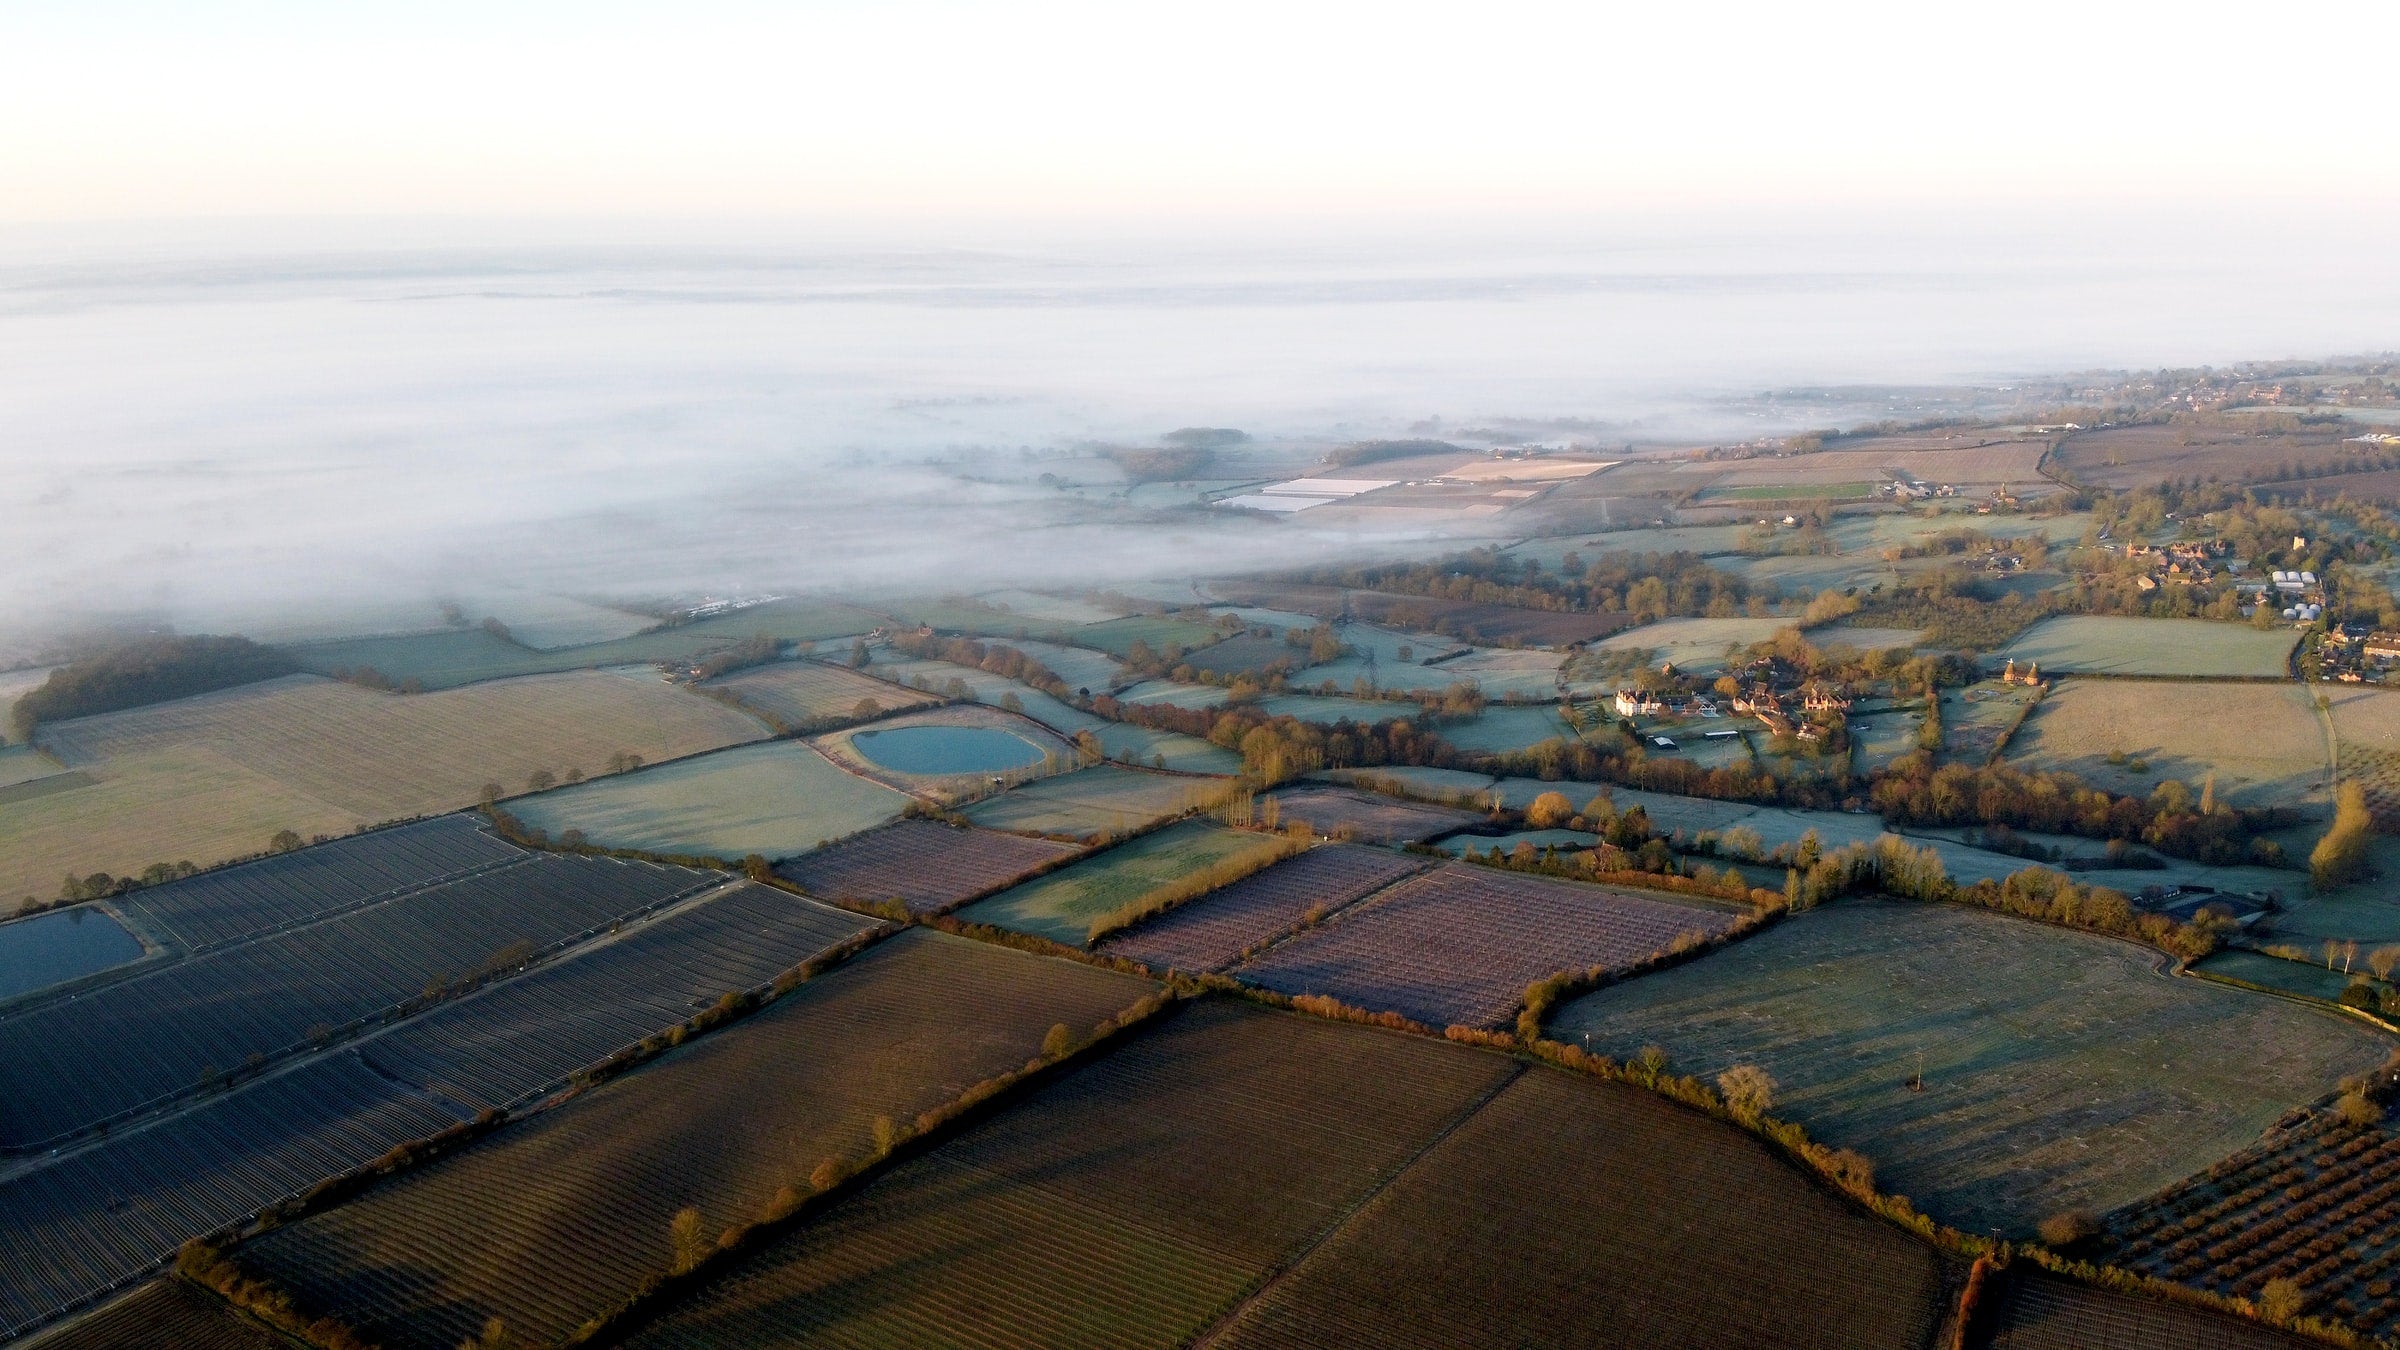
1976,717
1117,636
804,696
1503,728
988,689
960,614
1166,750
24,764
1101,800
2060,1070
214,777
452,657
2096,644
2310,978
1795,492
1328,710
1062,905
1697,645
557,1218
776,799
1805,574
2262,742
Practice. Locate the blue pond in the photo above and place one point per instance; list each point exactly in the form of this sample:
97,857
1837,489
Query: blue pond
934,750
41,951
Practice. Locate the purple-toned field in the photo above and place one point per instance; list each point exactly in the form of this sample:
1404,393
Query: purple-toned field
1458,946
928,867
1367,817
1213,932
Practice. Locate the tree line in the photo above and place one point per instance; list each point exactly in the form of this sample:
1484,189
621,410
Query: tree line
151,670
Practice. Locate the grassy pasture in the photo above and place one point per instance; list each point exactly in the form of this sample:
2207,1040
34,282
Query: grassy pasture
2102,644
559,1217
1975,717
1247,652
549,622
212,777
24,764
807,696
2310,979
1502,728
1117,636
1803,574
1062,905
1783,492
2262,741
1699,645
1329,709
1042,605
1172,694
2061,1070
1497,672
1166,750
1101,800
1130,1203
1570,1212
452,657
1080,667
776,799
988,689
1551,551
979,618
2367,723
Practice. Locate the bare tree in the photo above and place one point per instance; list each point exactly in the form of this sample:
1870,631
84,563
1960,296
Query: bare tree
691,1244
1748,1090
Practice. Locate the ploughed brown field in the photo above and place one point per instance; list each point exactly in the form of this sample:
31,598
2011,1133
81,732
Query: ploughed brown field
925,866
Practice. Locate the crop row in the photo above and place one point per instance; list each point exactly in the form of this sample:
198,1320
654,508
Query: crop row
1597,1213
165,1312
552,1221
1458,946
925,866
2044,1312
151,1038
533,1032
1215,931
1126,1203
93,1220
2320,1209
96,1218
215,908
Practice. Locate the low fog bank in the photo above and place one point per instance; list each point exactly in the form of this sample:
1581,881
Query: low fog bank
289,436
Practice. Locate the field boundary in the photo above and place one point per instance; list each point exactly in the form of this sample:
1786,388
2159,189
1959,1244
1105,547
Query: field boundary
1282,1269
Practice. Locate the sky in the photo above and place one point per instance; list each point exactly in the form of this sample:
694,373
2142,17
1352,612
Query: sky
915,111
336,308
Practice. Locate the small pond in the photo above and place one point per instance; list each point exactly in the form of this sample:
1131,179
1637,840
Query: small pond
939,750
49,948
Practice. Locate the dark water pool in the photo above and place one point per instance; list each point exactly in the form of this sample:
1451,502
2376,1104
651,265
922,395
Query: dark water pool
947,749
41,951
